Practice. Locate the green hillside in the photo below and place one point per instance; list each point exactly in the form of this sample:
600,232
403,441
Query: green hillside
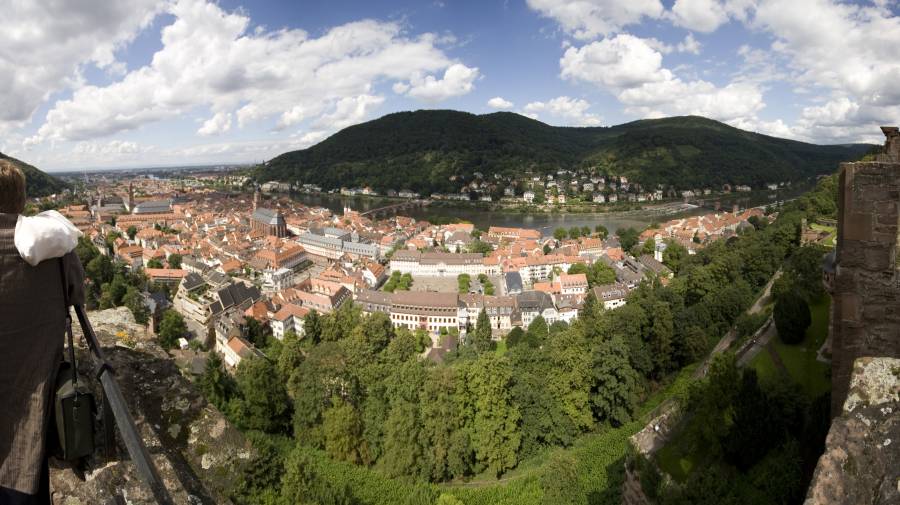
37,183
422,150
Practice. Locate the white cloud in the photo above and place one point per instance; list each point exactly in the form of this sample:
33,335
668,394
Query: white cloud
210,58
349,111
619,62
458,80
847,50
632,70
216,125
689,45
108,148
573,111
313,137
587,19
46,46
700,15
499,103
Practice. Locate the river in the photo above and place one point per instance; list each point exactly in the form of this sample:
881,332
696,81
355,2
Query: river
545,222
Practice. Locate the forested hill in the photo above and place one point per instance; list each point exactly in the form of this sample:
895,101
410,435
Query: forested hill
422,150
37,183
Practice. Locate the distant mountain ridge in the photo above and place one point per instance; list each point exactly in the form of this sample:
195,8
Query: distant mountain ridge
423,150
37,183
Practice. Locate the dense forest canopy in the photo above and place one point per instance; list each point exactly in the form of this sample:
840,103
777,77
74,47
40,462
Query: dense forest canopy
423,150
37,183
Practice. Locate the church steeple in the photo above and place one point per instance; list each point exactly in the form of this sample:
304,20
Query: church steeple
130,196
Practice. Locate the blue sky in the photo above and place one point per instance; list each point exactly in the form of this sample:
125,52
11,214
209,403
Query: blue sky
123,83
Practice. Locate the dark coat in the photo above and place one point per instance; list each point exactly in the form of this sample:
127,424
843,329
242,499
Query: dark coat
32,323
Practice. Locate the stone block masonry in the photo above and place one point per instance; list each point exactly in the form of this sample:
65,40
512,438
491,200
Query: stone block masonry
866,308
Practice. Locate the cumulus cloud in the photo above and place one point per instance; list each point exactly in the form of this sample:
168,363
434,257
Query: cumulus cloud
689,45
572,111
110,147
587,19
841,50
631,69
349,111
499,103
458,80
619,62
218,124
48,45
211,58
700,15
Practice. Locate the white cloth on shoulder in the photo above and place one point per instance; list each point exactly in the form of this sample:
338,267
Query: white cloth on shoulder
44,236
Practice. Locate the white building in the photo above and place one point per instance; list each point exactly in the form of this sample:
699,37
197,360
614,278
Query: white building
440,264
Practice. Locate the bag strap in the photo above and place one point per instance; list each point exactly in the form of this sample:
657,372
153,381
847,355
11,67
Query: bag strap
65,286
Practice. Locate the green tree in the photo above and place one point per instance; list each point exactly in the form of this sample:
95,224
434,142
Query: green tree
537,333
600,273
291,356
570,383
263,403
574,232
465,282
303,484
628,237
343,433
560,481
601,231
257,333
154,263
216,384
674,255
515,336
312,327
174,260
480,247
135,303
649,246
481,338
616,384
691,346
578,268
792,318
132,231
585,231
661,334
560,234
171,329
495,434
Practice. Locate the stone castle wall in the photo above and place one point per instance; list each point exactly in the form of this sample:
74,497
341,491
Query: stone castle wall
866,308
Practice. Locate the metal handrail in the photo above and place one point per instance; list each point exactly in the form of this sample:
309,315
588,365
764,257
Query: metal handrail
114,399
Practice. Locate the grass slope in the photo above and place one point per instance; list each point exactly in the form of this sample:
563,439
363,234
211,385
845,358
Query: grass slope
37,183
423,150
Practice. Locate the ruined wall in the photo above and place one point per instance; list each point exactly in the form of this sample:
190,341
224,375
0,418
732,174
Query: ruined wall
861,462
866,308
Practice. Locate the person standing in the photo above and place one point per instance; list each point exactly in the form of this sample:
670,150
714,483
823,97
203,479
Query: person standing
32,324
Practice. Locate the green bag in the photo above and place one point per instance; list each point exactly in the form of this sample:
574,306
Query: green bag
74,405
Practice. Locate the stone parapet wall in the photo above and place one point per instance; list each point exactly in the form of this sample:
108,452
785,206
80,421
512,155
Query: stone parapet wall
866,309
861,462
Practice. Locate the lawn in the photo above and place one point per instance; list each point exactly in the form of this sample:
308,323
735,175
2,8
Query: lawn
800,359
765,368
830,229
501,348
675,461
